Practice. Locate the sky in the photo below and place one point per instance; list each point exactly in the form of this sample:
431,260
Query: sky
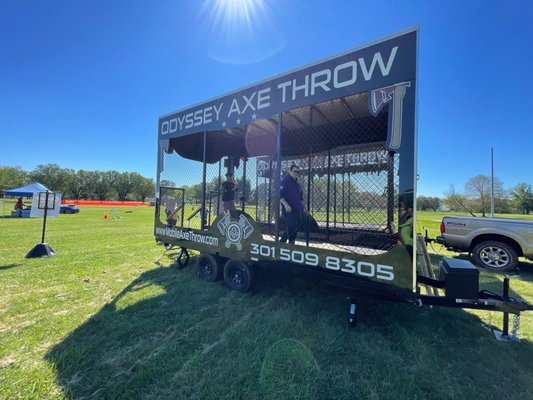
82,84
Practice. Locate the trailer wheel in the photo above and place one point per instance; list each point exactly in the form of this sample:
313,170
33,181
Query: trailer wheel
495,255
209,268
238,275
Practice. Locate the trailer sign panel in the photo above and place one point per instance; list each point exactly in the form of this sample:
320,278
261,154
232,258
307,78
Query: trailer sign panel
381,64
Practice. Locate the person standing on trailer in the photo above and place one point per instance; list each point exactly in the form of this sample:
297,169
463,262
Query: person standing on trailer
229,187
291,199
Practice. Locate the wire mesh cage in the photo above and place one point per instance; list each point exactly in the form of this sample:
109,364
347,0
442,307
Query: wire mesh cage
348,180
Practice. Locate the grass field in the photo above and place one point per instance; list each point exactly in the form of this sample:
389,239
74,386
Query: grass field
109,317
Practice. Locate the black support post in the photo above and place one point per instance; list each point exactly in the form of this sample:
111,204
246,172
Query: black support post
204,185
278,173
309,177
505,330
327,196
390,191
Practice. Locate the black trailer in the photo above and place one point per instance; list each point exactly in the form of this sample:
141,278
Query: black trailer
348,125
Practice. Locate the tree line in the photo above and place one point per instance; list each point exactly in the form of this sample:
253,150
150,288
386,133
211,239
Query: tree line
476,198
81,184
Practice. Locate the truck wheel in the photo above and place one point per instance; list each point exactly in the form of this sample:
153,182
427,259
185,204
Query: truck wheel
209,268
238,275
495,255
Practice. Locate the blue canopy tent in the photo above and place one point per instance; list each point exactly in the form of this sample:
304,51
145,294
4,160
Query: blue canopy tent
23,191
26,191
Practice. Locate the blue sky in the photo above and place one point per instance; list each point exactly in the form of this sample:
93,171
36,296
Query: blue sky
82,84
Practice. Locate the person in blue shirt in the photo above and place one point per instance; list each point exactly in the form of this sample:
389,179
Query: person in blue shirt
291,199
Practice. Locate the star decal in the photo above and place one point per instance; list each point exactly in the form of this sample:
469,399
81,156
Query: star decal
254,116
238,121
224,124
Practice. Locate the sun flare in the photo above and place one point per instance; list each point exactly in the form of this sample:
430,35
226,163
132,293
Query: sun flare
240,31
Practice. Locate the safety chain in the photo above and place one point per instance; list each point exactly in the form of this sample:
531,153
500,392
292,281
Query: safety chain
516,326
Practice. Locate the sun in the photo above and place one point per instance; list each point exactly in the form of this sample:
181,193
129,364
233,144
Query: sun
240,31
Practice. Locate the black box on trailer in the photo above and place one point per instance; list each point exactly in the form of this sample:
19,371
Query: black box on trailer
461,278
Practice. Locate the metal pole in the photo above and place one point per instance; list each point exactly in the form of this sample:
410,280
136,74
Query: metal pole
45,213
390,191
492,182
243,201
256,192
327,196
505,331
349,197
309,177
343,222
204,172
278,173
219,183
335,200
269,204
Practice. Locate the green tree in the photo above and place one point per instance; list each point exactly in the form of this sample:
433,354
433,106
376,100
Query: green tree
522,198
143,187
428,203
102,183
52,176
124,184
12,177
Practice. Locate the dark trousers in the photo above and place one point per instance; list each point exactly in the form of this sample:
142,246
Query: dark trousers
292,222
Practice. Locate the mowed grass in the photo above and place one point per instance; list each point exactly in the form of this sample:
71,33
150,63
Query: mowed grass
110,317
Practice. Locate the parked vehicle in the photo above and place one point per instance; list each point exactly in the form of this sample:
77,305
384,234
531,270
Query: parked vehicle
494,243
69,209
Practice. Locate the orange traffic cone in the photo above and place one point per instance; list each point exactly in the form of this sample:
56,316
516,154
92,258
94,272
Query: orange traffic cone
105,215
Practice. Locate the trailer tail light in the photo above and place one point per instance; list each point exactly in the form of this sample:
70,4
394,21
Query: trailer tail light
442,230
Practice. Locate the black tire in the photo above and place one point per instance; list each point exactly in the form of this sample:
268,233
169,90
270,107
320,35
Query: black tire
67,211
495,255
238,275
209,267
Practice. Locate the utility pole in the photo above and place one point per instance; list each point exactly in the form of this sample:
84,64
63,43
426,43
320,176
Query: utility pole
492,182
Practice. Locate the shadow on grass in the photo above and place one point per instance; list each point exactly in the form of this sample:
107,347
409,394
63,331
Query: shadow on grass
169,335
9,266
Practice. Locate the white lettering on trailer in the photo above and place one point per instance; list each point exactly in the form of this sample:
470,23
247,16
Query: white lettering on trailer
321,84
187,235
343,75
255,101
340,76
361,268
199,117
263,98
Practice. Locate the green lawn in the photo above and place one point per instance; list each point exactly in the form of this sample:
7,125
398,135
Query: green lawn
109,317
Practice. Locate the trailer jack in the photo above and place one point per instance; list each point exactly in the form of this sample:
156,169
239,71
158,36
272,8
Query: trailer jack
352,313
504,335
182,263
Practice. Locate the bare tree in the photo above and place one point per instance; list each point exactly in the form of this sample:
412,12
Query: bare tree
456,201
478,189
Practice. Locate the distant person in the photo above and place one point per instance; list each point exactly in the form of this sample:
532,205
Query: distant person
405,226
229,187
291,199
18,207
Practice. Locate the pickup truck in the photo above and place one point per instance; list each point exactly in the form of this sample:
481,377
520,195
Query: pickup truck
494,243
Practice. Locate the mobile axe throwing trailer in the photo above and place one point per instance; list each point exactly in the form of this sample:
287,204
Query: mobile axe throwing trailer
348,123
